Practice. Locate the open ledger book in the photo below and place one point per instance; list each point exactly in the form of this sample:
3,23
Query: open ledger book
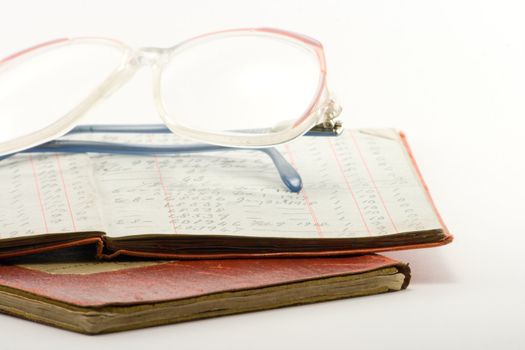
362,192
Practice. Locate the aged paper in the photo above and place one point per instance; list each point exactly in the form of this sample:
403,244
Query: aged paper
44,194
359,184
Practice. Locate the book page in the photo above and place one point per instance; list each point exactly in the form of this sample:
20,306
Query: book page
47,194
357,185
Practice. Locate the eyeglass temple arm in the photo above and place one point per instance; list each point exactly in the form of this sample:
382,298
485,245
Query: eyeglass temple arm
317,130
287,172
289,176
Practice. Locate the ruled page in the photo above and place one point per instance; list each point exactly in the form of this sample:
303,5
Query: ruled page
357,185
44,194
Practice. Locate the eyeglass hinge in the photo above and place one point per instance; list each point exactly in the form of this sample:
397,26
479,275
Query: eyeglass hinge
330,125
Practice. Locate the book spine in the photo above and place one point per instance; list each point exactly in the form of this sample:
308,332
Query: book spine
98,241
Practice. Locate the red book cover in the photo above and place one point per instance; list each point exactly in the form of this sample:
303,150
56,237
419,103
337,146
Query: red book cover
97,297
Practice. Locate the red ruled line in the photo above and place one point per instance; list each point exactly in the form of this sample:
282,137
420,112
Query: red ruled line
39,193
338,161
166,196
305,195
66,192
365,163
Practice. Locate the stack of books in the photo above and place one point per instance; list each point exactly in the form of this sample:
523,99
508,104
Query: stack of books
101,243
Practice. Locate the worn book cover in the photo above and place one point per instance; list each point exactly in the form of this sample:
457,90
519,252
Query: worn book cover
99,297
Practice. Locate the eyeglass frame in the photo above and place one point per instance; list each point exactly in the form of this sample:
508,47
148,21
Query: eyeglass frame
319,118
320,114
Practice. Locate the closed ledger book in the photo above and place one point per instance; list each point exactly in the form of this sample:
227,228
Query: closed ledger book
361,193
107,296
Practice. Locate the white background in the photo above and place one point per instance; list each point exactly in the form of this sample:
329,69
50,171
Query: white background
449,73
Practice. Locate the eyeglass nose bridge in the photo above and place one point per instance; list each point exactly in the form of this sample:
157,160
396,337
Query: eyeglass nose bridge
143,57
151,56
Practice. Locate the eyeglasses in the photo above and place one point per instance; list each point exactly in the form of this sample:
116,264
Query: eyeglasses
243,88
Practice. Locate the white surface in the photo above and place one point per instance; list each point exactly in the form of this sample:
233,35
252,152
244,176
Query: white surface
450,74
